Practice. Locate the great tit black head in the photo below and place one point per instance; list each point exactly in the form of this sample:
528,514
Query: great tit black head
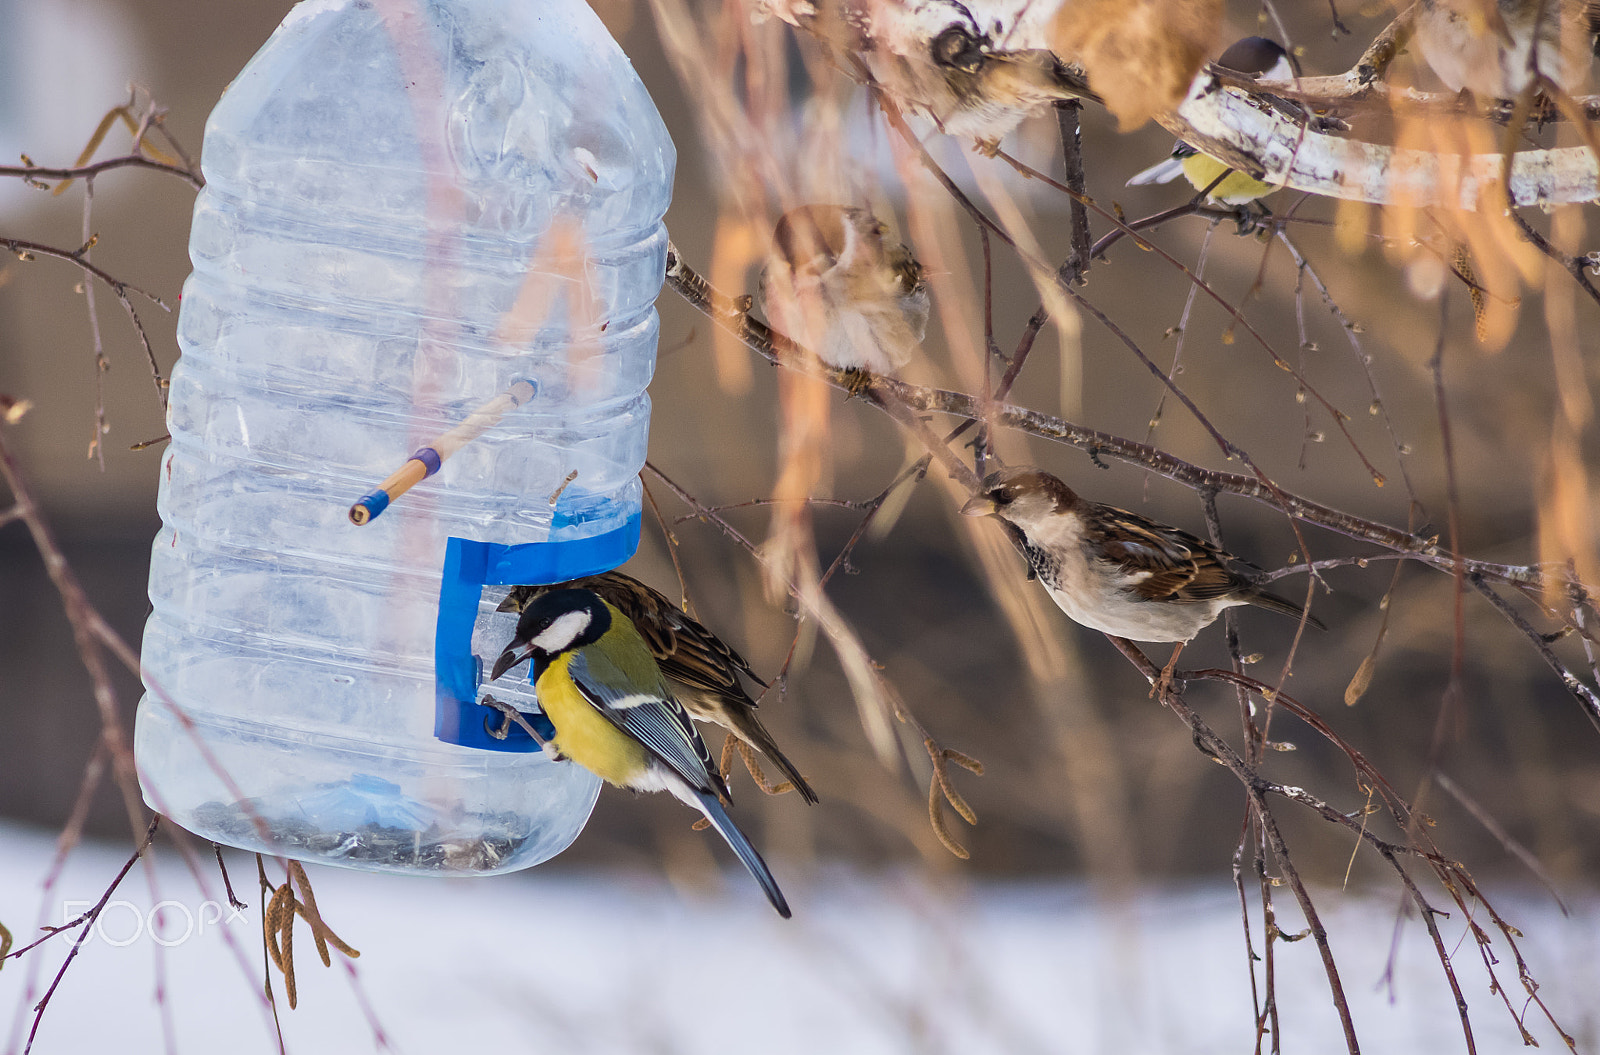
1260,57
553,623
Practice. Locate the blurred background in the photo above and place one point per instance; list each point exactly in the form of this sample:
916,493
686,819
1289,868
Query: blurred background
1085,776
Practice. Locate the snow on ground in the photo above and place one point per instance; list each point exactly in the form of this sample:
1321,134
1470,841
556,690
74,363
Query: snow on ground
553,962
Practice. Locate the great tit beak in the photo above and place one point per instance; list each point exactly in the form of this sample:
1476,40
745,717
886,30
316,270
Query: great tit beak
515,653
979,506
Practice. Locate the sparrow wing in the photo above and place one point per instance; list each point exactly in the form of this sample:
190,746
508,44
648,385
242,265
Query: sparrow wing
681,644
1170,563
654,719
696,658
1212,578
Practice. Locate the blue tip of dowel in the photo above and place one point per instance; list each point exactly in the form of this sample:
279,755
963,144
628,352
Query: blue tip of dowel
369,507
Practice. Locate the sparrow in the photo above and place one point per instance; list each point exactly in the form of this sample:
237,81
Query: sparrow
833,285
1115,571
1489,47
599,686
975,69
1256,57
700,665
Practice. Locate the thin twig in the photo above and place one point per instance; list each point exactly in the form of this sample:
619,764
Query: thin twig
23,248
780,351
1512,845
1077,265
87,921
1182,332
1586,696
45,172
853,657
1339,418
1363,360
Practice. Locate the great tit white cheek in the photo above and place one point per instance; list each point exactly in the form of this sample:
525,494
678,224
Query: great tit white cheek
562,632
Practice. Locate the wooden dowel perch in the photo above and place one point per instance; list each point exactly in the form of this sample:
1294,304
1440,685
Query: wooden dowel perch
427,459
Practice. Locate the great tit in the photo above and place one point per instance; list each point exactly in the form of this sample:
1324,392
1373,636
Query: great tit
597,682
704,669
1254,57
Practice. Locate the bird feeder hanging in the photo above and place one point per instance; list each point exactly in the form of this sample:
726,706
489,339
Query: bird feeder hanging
428,226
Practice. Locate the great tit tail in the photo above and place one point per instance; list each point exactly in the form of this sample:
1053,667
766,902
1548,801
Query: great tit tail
1164,171
747,854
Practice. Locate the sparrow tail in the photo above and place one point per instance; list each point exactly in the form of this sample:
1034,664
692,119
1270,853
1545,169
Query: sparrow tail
752,732
1273,603
747,854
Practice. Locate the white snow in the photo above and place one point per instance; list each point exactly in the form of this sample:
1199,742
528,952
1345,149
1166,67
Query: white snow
557,962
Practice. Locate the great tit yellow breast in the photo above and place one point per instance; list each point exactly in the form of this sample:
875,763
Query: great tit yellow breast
585,735
1236,188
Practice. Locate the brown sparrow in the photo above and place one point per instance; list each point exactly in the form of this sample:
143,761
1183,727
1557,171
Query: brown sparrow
1116,571
1488,46
705,669
834,286
975,68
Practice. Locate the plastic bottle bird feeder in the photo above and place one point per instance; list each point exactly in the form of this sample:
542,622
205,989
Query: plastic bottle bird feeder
422,219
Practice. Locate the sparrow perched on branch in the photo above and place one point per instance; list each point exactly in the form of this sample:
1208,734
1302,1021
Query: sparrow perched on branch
833,285
1492,48
612,714
976,68
703,667
1256,57
1116,571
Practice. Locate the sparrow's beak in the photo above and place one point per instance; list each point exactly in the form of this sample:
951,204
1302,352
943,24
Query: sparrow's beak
518,598
979,506
515,653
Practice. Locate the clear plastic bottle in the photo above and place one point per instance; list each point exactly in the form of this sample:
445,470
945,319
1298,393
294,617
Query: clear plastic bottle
410,207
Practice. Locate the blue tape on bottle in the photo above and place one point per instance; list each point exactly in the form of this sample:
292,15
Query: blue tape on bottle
468,567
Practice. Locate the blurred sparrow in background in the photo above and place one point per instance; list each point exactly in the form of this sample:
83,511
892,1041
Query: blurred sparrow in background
604,695
1254,57
705,669
1488,47
832,285
1116,571
976,68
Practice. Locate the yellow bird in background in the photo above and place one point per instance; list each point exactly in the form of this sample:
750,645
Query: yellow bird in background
1254,57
